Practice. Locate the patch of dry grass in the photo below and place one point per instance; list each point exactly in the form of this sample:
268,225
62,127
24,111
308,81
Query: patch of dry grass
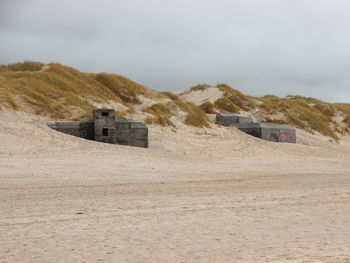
58,89
159,109
236,97
305,113
199,87
195,115
345,109
63,92
161,115
224,104
208,107
170,95
25,66
160,120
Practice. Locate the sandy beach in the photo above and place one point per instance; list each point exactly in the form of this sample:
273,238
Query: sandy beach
195,195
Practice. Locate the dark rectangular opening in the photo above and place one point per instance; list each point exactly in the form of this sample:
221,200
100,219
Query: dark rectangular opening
104,132
104,113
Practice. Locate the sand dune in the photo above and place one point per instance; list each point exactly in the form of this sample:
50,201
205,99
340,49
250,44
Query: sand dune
215,195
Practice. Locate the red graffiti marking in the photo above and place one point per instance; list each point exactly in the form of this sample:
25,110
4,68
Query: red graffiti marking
285,137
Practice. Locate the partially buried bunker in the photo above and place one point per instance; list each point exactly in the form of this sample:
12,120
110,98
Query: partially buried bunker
105,127
266,131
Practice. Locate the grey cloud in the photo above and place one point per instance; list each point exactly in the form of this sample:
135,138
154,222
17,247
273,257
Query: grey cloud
259,47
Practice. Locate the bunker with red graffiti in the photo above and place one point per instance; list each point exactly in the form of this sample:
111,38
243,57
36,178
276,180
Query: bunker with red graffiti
266,131
269,131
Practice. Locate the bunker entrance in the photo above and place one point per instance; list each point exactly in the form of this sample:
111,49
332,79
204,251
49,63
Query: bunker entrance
104,132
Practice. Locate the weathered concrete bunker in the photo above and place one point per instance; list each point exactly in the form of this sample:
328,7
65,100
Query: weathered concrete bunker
266,131
105,127
227,119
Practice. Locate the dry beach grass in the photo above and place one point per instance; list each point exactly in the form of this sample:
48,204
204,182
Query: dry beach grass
62,92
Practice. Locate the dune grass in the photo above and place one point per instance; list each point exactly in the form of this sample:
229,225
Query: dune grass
305,113
59,91
62,92
161,113
224,104
199,87
345,109
208,107
160,120
237,98
195,116
25,66
170,95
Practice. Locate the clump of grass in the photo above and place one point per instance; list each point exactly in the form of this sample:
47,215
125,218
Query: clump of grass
199,87
345,109
126,94
327,110
126,89
347,121
160,120
195,115
307,100
120,113
170,95
275,121
161,115
226,105
25,66
269,97
208,107
269,104
295,121
236,97
159,109
11,102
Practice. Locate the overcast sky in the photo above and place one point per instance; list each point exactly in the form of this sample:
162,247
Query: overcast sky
260,47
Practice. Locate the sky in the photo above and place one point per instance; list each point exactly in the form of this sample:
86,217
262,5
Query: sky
260,47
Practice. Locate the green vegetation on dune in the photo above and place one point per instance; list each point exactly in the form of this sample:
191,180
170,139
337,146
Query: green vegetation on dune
161,114
195,116
310,114
208,107
62,92
305,113
25,66
55,90
232,100
226,105
345,109
236,97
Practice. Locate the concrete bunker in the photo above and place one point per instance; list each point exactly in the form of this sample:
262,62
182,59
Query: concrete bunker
227,119
105,127
266,131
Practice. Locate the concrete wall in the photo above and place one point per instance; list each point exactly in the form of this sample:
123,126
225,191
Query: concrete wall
84,130
278,133
256,132
104,125
87,130
227,119
131,133
71,128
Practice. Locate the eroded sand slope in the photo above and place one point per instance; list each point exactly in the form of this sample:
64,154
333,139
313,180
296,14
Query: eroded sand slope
193,196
